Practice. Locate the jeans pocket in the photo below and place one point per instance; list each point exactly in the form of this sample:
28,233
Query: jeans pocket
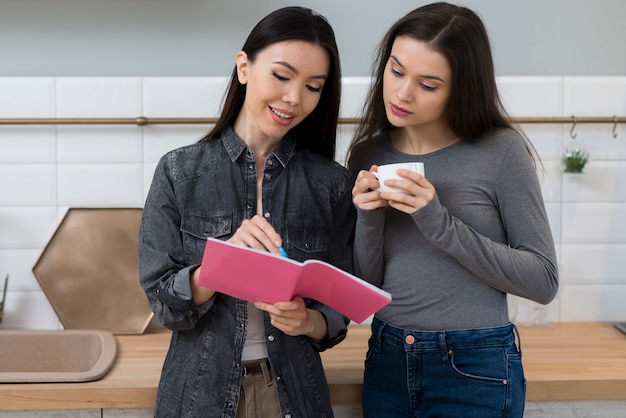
485,364
491,382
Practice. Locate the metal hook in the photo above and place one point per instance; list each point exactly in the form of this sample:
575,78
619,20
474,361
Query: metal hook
615,126
571,131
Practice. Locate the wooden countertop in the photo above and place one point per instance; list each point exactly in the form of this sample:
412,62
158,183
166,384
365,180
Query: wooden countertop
572,361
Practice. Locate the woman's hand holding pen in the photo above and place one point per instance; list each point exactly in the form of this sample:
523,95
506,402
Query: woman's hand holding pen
259,234
419,191
254,233
294,318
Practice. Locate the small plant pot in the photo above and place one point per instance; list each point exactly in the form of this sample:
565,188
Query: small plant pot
575,160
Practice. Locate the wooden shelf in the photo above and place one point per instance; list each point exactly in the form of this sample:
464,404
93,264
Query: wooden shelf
572,361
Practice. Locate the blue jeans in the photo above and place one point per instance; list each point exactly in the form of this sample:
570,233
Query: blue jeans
466,373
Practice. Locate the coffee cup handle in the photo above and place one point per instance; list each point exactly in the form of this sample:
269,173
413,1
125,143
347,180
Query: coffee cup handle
380,185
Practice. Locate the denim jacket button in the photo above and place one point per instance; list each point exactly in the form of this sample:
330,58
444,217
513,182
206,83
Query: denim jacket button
270,338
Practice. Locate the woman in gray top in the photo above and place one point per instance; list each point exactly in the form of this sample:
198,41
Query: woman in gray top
462,237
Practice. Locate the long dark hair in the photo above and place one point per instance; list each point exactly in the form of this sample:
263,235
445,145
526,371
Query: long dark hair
458,33
318,131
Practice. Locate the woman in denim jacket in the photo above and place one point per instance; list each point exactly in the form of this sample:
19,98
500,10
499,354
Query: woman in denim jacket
264,177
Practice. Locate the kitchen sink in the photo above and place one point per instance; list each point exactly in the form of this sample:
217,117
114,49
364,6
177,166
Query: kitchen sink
37,356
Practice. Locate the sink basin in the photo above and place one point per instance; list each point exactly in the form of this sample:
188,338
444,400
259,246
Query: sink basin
55,356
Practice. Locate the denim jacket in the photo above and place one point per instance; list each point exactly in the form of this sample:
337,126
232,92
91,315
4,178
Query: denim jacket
206,190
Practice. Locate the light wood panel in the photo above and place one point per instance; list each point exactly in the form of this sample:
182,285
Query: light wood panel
572,361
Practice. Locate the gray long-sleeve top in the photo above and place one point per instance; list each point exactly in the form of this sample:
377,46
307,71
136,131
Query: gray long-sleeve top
450,264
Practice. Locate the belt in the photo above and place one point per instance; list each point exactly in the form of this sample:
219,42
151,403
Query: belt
255,367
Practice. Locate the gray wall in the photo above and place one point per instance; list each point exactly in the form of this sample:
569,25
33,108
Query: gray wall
201,37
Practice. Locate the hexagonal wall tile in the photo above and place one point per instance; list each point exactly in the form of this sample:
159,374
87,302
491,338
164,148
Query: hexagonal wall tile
90,274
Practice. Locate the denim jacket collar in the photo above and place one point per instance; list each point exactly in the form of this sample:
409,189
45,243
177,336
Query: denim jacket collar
235,146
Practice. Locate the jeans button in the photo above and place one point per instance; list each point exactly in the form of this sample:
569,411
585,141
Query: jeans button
409,339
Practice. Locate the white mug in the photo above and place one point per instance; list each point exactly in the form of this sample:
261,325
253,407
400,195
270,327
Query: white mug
388,172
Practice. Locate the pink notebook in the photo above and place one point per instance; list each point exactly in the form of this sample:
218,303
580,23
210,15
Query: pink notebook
260,276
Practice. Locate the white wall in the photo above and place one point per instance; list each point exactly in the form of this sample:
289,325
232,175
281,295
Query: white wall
201,37
46,169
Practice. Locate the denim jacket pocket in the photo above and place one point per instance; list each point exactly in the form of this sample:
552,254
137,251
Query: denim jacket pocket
306,242
196,229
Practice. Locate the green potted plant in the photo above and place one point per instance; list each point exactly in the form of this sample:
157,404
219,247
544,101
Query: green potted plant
574,160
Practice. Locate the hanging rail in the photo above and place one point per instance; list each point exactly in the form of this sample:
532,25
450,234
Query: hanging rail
143,121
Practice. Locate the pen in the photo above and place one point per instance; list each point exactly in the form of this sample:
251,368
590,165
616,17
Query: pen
282,251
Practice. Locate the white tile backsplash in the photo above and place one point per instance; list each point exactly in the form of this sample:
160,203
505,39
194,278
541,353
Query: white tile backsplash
596,223
183,97
601,302
95,97
26,227
596,264
50,168
598,140
353,93
550,179
594,96
27,97
99,143
27,144
553,209
148,174
532,96
527,313
18,263
547,139
101,185
38,179
602,181
29,310
344,137
159,139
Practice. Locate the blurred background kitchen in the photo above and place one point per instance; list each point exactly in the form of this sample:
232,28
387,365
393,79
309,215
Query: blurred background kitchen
562,61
